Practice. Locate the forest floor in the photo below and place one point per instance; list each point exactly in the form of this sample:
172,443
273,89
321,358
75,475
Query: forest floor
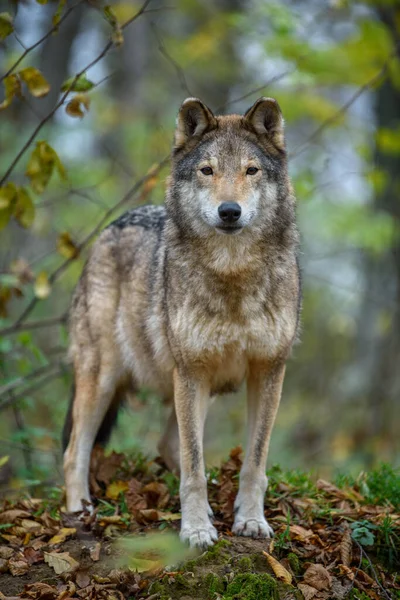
331,541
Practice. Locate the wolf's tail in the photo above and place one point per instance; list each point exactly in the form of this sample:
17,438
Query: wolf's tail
106,426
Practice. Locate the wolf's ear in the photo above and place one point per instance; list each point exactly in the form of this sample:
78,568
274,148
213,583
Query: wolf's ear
194,119
266,118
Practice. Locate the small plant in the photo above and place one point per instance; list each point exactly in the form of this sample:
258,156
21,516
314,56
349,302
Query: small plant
362,532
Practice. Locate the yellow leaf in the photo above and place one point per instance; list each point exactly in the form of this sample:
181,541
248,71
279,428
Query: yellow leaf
24,210
62,535
75,106
6,25
42,286
279,570
7,195
142,565
4,460
36,82
114,489
169,516
66,246
43,160
60,561
12,87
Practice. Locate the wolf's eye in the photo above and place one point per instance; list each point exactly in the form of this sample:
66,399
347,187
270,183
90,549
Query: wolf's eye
252,171
207,171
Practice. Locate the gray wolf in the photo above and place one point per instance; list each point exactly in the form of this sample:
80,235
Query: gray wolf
192,299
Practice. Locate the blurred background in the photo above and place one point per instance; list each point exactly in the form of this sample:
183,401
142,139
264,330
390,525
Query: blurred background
89,112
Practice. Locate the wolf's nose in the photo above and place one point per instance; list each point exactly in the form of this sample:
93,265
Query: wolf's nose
229,212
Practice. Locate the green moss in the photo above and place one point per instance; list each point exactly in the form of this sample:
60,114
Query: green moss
214,585
294,562
357,595
215,554
248,586
244,564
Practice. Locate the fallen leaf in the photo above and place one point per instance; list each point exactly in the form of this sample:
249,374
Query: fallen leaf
345,548
62,535
317,576
300,533
61,562
308,591
10,516
279,570
82,578
18,566
115,488
95,552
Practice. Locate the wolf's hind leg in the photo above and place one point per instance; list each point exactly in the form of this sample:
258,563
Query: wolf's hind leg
94,392
263,396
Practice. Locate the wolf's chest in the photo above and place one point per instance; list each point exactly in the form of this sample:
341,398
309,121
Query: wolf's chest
253,334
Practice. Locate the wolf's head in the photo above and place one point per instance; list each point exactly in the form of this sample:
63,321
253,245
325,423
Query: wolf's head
229,173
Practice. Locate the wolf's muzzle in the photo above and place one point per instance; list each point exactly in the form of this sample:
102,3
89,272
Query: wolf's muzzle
229,212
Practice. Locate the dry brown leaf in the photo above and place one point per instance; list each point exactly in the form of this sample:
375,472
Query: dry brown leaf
95,552
300,533
18,566
6,552
62,535
308,591
30,525
61,562
279,570
3,565
345,548
157,494
10,516
82,578
317,576
345,570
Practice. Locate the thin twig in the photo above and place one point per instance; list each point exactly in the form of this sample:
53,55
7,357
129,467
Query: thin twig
58,370
42,39
56,274
363,553
179,71
343,109
34,324
9,387
47,118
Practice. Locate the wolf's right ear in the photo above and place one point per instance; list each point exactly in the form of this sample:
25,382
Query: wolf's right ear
194,119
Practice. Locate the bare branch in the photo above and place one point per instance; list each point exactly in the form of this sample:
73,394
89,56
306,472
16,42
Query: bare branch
343,109
47,118
179,71
42,39
9,387
54,373
34,325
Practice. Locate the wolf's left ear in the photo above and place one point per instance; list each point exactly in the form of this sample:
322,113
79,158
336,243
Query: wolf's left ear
266,118
194,119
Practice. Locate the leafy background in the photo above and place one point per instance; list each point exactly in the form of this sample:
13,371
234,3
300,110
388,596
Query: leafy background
87,118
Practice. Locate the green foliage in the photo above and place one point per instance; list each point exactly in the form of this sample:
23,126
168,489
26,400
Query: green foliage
80,84
363,532
382,485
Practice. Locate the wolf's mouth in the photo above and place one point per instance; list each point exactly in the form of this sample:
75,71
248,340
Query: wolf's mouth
228,230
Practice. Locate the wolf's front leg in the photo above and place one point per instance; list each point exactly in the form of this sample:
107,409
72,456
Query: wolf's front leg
264,388
191,403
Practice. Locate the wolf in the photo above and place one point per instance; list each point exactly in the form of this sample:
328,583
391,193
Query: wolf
192,299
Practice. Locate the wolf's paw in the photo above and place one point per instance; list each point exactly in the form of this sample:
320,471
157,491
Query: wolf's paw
199,537
255,528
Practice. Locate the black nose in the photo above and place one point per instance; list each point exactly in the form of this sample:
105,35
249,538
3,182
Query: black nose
229,212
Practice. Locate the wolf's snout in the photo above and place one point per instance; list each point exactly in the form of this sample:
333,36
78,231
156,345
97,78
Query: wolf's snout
229,212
